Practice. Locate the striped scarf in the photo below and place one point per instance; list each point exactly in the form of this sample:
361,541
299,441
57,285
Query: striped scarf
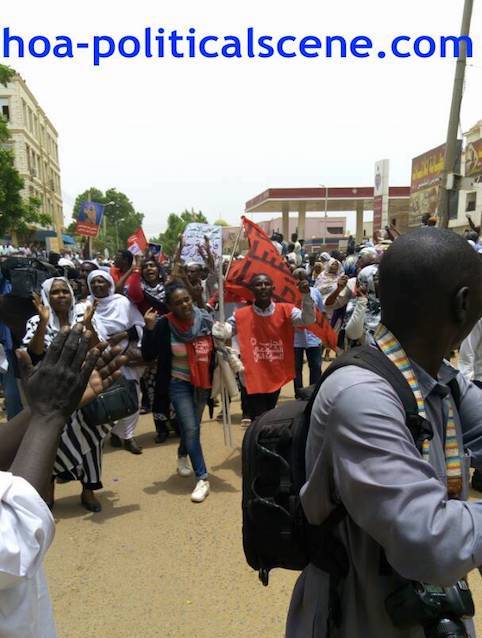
389,345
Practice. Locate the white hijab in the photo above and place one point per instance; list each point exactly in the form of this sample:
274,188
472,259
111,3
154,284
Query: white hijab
114,313
54,322
327,281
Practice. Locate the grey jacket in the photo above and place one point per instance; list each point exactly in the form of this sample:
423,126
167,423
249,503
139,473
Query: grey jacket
359,443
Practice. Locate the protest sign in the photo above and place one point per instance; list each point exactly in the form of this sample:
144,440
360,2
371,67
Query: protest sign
193,238
137,242
90,219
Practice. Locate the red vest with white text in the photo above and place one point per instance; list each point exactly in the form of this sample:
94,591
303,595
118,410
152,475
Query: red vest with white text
266,345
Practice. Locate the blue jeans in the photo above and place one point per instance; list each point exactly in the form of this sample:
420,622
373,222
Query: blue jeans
313,356
189,403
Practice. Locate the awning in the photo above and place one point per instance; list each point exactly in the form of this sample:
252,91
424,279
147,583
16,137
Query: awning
40,235
68,239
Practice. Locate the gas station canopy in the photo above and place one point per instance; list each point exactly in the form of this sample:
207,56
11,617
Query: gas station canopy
325,199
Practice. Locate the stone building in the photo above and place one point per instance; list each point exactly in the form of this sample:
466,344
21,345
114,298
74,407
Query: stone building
34,141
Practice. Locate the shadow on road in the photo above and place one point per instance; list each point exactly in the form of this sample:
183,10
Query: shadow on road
70,507
176,484
232,462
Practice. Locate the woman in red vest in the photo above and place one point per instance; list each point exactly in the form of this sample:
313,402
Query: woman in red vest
265,332
182,343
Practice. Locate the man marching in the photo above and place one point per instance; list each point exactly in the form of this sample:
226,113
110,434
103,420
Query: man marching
265,332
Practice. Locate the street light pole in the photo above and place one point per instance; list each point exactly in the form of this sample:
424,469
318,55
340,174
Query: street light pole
452,133
326,214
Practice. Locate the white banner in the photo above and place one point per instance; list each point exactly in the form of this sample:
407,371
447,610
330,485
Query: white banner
193,237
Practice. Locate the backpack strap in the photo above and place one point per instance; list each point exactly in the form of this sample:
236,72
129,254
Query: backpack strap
373,359
455,392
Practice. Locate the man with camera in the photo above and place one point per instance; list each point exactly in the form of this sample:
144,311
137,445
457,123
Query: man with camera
409,535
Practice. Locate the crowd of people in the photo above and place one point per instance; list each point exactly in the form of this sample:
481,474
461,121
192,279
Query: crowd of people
155,332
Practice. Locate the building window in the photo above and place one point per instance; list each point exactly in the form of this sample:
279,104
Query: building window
24,109
4,108
335,230
470,202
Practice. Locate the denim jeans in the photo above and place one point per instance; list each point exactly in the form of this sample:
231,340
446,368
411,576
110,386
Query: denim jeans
314,363
189,403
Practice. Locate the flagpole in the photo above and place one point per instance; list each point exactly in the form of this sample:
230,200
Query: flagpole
235,245
228,440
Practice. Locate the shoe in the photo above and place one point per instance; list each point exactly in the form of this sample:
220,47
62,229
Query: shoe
161,437
220,417
183,467
477,481
91,505
200,491
245,423
131,446
115,441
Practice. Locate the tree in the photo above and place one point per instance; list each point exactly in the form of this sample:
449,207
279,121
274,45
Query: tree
221,222
121,218
175,227
16,213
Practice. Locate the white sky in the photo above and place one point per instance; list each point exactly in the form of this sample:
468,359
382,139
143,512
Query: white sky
211,134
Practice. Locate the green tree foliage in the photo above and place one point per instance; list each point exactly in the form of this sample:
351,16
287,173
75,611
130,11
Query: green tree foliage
16,213
175,227
121,218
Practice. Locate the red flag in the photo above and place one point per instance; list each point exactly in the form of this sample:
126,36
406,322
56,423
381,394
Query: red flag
137,242
322,329
264,258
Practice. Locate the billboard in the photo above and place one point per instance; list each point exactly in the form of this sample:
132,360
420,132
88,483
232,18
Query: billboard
473,159
90,219
427,172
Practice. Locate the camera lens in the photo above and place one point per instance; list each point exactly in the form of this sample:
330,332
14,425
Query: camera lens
447,628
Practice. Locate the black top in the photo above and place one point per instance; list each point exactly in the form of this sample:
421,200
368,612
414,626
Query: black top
156,344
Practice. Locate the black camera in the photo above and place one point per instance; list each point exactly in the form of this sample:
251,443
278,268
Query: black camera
438,609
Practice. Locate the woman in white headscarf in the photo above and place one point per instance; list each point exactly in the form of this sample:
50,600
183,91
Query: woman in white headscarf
79,456
56,308
327,280
114,314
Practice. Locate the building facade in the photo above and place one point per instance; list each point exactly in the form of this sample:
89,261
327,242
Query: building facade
470,198
34,141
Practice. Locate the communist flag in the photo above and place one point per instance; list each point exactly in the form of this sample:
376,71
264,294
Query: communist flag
263,258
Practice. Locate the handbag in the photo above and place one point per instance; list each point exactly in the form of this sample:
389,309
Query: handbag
117,402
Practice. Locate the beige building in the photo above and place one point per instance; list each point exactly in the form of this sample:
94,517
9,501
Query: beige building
35,145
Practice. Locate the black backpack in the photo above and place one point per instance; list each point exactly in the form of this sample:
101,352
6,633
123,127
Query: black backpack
275,530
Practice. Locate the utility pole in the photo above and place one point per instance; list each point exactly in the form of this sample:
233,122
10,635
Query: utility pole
448,186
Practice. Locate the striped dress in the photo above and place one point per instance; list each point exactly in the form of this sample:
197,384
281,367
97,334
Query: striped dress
79,456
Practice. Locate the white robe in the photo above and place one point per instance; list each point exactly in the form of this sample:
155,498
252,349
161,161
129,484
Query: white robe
26,532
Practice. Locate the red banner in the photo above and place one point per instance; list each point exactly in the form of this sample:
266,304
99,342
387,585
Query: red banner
263,258
86,229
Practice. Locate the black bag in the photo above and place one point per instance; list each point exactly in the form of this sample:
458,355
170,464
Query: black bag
117,402
275,530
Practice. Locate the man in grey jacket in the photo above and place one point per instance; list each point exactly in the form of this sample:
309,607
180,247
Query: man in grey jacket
400,523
